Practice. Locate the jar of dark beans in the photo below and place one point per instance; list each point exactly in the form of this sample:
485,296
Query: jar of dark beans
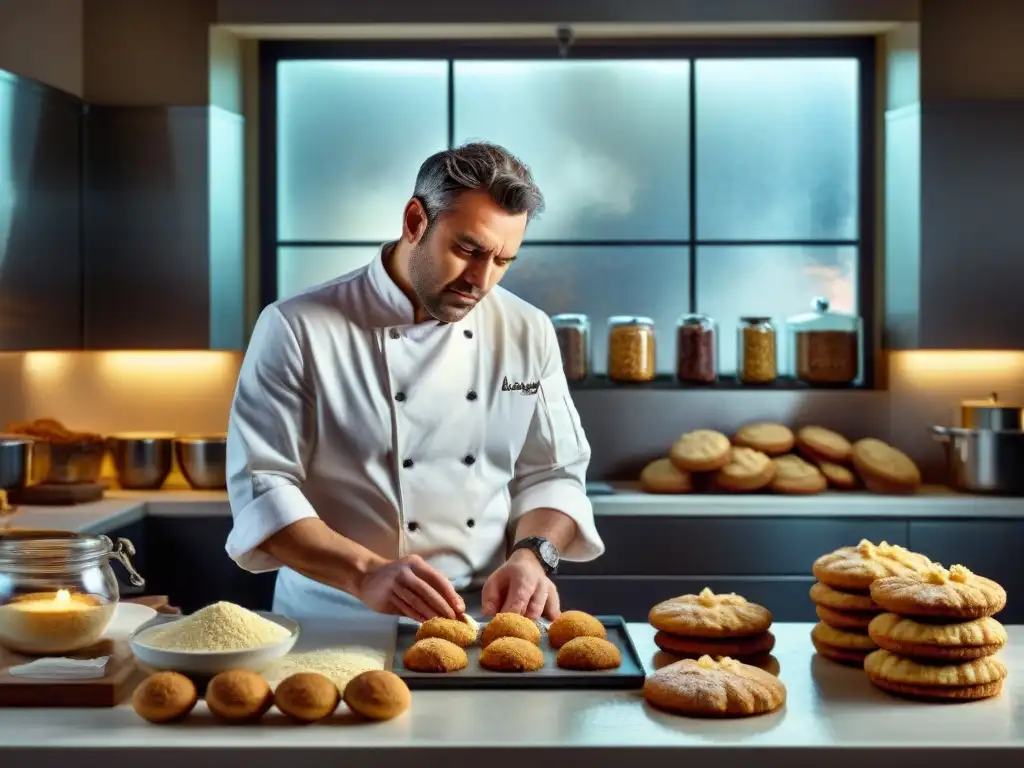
573,334
696,349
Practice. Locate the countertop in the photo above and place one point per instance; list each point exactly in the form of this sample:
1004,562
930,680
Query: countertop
833,717
120,508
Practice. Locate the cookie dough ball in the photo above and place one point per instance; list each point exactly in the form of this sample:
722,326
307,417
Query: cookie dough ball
512,654
458,631
433,654
239,696
377,695
510,625
165,697
307,697
589,653
572,624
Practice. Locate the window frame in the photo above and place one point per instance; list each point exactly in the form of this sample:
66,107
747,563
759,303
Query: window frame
863,49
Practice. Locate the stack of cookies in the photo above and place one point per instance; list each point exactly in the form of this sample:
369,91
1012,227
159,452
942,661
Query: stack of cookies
938,639
724,625
843,597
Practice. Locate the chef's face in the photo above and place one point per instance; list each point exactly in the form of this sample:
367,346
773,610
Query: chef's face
463,255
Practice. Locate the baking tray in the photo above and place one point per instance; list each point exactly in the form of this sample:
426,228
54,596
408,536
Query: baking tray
630,675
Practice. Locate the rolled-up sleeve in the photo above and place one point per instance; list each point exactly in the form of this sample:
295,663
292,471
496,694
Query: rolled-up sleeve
552,466
270,431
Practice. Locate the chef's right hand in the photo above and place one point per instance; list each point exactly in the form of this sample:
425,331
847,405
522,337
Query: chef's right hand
410,587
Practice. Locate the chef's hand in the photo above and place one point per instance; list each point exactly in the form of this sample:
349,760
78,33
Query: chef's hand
410,587
521,586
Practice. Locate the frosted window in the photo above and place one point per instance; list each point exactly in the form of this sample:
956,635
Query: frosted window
777,282
600,281
351,136
607,140
302,268
777,149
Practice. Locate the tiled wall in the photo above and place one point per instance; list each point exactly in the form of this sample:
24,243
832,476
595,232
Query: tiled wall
188,392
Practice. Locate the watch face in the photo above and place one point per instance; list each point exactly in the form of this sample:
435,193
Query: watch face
548,553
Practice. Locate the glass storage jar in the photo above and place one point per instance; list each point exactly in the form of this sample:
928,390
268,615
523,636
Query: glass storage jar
757,357
825,346
696,349
58,592
631,348
573,333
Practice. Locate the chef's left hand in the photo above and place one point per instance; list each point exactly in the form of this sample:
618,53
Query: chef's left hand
521,586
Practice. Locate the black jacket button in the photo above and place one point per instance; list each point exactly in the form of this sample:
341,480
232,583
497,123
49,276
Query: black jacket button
471,395
468,334
469,461
407,463
470,523
413,526
394,333
400,397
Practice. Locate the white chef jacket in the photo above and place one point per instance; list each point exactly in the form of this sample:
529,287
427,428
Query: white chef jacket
409,438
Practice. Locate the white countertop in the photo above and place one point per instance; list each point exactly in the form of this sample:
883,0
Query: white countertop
833,716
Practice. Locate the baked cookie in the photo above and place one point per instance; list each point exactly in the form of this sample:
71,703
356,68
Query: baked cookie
512,654
573,624
702,450
710,615
747,470
977,679
458,631
885,469
854,621
307,697
856,568
766,437
966,640
840,645
432,654
708,688
824,444
734,647
838,476
662,476
794,475
589,653
848,602
940,594
377,694
510,625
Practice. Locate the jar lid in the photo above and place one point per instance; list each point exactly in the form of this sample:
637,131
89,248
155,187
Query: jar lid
32,545
822,318
569,319
705,322
755,320
629,320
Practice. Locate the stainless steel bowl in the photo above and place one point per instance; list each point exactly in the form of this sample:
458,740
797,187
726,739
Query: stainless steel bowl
68,463
15,463
143,462
203,461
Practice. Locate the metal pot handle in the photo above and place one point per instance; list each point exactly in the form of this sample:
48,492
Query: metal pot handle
941,434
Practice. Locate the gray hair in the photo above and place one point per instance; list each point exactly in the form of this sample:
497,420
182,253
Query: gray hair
477,166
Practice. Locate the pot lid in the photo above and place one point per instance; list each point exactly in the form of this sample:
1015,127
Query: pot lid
991,402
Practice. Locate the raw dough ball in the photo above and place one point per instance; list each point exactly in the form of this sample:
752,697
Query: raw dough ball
165,697
307,697
572,624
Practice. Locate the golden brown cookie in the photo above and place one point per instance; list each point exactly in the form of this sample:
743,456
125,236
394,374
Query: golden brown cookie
940,594
747,470
377,694
164,697
842,638
702,450
512,654
662,476
710,615
796,476
824,444
510,625
708,688
848,602
432,654
734,647
589,653
838,476
885,468
839,655
457,631
979,678
765,661
307,697
854,621
973,639
573,624
239,696
856,568
765,437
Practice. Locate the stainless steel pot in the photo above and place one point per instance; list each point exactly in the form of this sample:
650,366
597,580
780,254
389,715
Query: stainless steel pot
984,460
15,463
990,414
203,461
143,462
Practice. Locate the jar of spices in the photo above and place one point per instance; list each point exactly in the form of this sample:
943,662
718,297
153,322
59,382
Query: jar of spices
631,348
757,361
696,349
573,333
825,346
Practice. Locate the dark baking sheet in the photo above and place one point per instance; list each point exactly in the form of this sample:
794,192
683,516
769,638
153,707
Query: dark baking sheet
630,675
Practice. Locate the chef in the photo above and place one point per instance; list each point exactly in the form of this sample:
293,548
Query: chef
402,438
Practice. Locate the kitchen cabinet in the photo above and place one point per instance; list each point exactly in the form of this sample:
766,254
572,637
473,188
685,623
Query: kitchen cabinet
40,217
164,228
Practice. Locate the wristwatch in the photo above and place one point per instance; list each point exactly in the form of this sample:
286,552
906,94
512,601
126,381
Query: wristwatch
545,551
